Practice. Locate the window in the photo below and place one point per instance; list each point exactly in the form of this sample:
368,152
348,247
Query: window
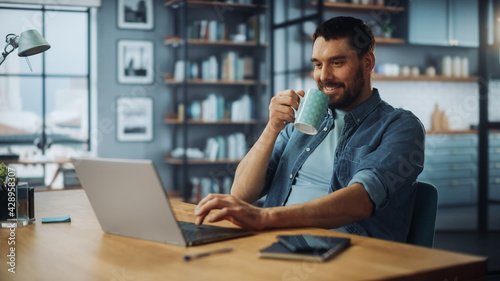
44,111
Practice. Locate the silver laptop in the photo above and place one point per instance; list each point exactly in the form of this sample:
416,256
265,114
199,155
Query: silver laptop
128,199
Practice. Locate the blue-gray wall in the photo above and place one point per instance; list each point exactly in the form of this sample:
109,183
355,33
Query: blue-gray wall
108,88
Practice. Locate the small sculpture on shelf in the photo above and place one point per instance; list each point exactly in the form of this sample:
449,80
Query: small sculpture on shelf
439,121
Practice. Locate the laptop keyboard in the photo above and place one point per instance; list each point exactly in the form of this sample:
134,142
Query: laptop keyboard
193,232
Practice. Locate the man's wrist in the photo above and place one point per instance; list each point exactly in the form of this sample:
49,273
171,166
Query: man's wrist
271,129
268,218
273,218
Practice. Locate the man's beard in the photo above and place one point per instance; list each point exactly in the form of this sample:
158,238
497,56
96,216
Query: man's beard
348,95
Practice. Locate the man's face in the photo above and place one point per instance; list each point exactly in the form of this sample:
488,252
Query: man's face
338,72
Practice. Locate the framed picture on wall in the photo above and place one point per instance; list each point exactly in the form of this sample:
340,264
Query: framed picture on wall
134,119
135,61
135,14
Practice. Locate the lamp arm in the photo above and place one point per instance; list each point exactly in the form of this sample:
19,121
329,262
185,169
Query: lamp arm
2,59
11,41
5,54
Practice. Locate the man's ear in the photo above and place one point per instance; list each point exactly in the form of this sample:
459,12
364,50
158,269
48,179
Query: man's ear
369,61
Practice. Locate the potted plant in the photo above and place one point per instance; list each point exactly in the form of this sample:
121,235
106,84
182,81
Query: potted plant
388,29
3,176
3,191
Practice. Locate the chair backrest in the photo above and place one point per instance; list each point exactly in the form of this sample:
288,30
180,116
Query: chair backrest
423,222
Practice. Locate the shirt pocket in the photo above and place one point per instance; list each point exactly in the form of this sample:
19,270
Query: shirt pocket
350,160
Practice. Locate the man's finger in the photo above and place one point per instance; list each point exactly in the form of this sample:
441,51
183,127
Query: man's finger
222,214
199,220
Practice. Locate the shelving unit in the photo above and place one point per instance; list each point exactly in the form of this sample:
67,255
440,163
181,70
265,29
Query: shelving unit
186,47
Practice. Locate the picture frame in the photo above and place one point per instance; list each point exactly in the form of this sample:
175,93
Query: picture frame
135,14
134,119
135,61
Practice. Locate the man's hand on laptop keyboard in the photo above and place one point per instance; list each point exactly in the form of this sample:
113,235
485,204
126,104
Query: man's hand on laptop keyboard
232,209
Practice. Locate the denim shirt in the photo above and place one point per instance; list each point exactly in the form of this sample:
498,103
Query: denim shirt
380,147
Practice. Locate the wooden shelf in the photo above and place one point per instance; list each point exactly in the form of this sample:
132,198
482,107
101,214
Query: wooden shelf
208,4
358,8
176,121
389,41
175,41
179,161
424,78
451,132
170,81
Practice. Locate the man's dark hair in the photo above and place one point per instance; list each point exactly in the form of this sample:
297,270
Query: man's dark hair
360,35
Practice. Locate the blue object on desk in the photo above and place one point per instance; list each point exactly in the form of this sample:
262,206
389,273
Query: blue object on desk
56,219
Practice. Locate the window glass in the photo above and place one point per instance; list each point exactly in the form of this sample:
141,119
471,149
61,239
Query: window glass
279,83
20,108
66,108
280,49
67,33
294,47
279,11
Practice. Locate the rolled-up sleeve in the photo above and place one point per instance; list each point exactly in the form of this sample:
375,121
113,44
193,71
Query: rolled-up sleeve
395,163
374,187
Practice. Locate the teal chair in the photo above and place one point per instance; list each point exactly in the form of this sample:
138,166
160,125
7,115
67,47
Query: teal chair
423,222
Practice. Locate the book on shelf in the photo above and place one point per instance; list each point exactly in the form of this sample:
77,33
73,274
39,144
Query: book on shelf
212,149
252,30
228,67
207,30
235,67
221,142
233,146
215,108
241,109
179,70
202,186
212,108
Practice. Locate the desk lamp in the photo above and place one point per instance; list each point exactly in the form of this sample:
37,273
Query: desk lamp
30,42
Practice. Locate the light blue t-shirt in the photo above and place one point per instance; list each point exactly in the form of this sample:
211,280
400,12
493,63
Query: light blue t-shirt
313,178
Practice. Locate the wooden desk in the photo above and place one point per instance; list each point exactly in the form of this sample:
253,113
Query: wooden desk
81,251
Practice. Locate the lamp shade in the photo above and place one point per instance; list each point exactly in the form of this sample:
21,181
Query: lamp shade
31,43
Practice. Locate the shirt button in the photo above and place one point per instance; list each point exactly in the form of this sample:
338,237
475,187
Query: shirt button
308,149
325,129
291,176
358,120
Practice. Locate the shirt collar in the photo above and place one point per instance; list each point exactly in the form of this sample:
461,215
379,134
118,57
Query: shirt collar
359,113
